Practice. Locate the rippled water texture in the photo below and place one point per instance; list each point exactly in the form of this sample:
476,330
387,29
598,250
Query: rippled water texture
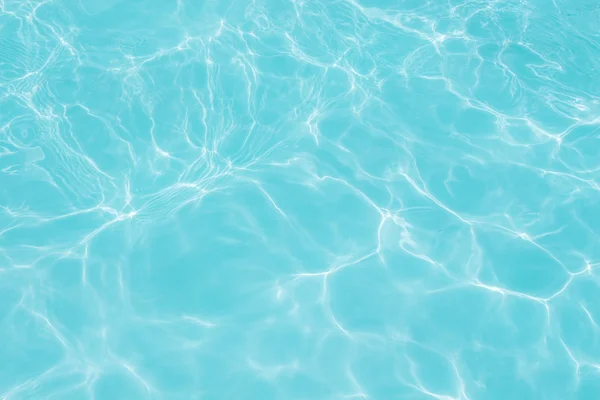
299,199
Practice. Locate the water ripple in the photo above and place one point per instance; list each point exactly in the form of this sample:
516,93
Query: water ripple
266,199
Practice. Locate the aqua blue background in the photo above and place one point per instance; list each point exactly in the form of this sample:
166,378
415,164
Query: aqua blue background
277,199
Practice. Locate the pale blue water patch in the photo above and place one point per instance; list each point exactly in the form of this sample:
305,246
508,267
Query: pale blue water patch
284,199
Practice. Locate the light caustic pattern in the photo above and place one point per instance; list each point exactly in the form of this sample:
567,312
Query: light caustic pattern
299,199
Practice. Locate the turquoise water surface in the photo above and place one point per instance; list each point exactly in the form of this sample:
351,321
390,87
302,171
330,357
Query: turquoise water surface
300,199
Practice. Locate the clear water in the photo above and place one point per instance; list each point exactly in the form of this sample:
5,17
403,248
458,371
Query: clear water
299,199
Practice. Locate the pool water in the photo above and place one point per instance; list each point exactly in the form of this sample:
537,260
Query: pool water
299,199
